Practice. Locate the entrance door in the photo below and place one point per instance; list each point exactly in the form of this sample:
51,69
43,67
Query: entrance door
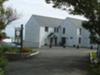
51,42
63,41
55,41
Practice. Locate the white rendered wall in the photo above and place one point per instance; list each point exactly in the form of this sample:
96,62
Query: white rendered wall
43,35
85,38
32,31
71,31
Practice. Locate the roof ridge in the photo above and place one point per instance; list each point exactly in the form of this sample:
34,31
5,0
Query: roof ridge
76,18
48,17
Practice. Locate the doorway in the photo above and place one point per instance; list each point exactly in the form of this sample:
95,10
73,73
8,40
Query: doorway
55,41
63,41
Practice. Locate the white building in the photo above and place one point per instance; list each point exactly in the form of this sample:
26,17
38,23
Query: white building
37,30
40,31
75,34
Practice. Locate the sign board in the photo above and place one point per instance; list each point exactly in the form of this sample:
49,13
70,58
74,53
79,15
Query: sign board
17,34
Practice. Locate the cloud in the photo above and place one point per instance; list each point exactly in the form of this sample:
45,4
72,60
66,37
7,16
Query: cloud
28,7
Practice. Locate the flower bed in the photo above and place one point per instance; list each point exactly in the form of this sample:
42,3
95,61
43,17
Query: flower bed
16,54
28,52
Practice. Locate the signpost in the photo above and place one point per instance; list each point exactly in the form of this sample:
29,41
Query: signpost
19,36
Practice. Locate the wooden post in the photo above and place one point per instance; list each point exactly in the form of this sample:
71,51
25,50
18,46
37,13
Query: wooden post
98,50
21,37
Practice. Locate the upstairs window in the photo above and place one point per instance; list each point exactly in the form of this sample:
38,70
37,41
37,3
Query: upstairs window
80,31
64,30
56,29
46,29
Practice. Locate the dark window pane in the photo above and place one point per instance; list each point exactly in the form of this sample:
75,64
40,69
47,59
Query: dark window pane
55,29
80,31
79,40
71,37
64,30
46,29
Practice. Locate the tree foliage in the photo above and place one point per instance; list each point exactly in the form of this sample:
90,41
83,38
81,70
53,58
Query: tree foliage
7,15
89,8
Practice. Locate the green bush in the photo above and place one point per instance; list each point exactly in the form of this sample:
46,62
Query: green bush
4,49
94,55
3,62
93,69
1,71
16,50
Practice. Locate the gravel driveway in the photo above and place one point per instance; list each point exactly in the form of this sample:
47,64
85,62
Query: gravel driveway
54,61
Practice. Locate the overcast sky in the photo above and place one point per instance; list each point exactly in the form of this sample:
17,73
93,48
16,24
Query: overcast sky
26,8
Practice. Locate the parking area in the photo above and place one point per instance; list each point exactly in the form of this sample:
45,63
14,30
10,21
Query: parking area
52,61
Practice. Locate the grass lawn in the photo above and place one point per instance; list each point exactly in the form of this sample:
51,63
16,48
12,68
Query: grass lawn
93,69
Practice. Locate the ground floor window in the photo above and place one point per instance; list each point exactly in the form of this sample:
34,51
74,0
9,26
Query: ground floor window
79,40
46,29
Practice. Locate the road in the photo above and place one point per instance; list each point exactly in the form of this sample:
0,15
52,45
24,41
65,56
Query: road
52,61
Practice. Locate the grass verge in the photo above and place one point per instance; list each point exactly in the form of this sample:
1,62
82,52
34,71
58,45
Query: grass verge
93,67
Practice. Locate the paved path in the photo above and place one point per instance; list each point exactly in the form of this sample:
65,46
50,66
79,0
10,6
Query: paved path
54,61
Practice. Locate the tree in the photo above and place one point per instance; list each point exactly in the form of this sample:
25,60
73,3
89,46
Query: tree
7,15
89,8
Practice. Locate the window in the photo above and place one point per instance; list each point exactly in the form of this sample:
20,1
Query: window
64,30
79,40
80,31
56,29
71,37
46,29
